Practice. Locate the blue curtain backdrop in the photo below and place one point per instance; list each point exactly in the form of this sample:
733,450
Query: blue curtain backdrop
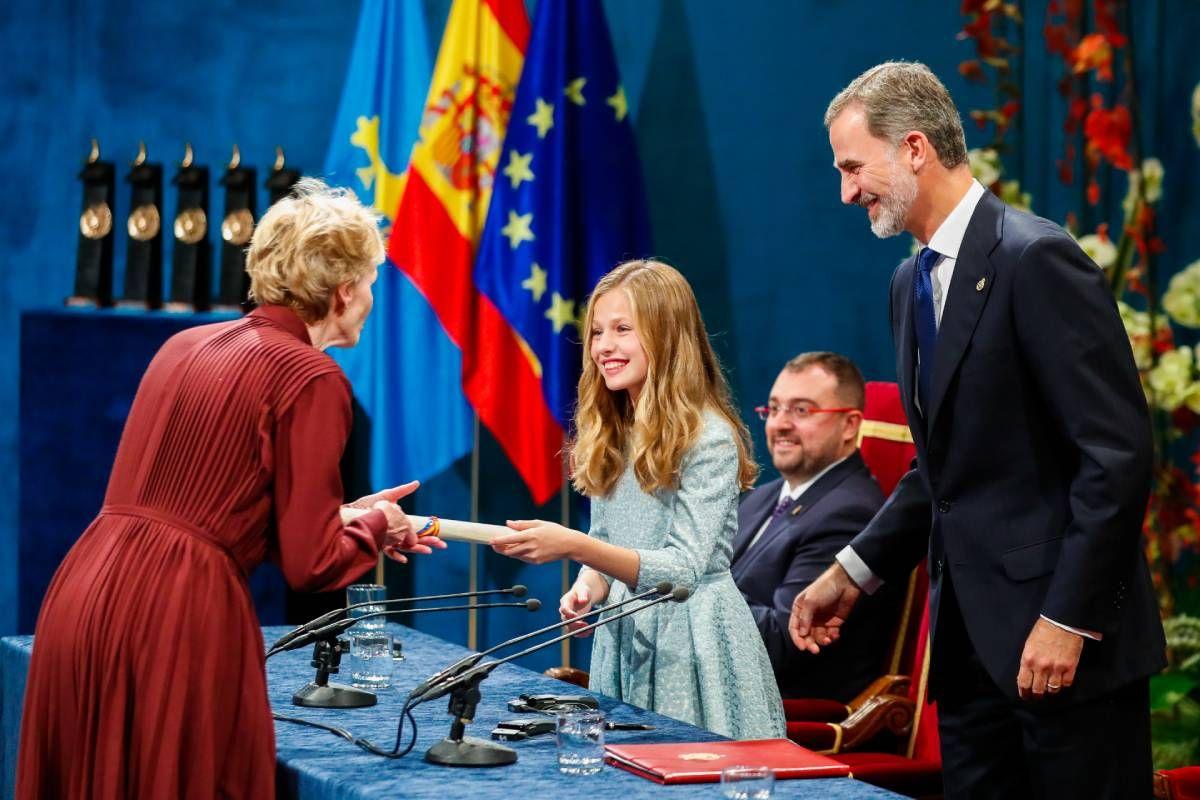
726,100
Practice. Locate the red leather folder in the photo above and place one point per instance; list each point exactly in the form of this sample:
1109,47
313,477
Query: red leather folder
702,762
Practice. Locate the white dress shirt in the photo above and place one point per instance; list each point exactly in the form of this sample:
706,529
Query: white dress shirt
786,490
947,241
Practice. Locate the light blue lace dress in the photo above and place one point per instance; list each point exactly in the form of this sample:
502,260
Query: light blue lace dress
701,661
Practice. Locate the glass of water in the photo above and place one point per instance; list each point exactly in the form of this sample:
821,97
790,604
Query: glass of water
580,740
747,783
371,659
366,593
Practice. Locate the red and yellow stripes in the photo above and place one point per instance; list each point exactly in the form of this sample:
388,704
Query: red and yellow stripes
441,216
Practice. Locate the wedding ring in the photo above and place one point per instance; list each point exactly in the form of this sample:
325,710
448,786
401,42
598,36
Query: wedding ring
1054,687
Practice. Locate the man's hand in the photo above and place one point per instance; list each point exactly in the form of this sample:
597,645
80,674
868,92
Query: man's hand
1048,661
819,611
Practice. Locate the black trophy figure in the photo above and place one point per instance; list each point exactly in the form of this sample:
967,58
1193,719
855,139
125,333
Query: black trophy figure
282,178
191,259
94,255
143,256
236,229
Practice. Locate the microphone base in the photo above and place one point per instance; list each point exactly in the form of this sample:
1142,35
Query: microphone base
470,752
334,695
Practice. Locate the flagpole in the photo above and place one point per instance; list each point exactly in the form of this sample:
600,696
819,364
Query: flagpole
565,520
473,581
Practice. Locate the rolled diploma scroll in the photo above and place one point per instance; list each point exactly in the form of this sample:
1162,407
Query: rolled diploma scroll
449,530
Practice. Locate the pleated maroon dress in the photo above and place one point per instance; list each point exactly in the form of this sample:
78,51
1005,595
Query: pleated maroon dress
147,677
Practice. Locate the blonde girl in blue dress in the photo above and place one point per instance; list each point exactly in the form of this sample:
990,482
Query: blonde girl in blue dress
663,457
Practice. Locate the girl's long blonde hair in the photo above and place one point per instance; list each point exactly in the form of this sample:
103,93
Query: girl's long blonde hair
682,380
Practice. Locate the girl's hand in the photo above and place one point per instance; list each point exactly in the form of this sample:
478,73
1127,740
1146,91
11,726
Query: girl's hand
537,542
575,604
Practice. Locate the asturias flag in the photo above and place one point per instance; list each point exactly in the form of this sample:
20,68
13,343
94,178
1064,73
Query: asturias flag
569,205
405,371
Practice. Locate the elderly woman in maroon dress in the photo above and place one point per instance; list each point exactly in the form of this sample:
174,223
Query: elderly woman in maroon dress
147,677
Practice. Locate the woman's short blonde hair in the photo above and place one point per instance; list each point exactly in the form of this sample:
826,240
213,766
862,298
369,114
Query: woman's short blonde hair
308,244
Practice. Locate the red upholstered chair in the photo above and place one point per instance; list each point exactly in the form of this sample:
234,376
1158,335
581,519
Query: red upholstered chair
884,439
1182,783
887,448
893,704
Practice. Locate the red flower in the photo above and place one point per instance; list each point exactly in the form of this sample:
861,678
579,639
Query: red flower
1108,132
971,70
1010,109
1093,52
1184,418
1093,192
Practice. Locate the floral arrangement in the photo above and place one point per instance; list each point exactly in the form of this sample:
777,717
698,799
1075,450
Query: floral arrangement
1102,152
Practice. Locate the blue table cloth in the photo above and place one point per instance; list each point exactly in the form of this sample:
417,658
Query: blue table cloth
316,764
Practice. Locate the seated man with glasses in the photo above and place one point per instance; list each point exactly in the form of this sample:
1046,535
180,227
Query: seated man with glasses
790,529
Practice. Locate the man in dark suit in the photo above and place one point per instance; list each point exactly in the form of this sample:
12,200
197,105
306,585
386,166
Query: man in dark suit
1034,456
791,528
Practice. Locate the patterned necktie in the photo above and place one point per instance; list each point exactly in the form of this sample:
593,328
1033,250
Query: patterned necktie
925,325
782,507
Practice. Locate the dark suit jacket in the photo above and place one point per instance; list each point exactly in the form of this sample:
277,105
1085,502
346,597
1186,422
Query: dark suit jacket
791,555
1034,457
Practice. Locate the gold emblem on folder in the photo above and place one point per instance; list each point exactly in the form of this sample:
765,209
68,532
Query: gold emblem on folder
96,221
191,225
144,223
699,756
238,227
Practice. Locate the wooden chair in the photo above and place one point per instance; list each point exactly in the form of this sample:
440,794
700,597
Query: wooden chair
886,445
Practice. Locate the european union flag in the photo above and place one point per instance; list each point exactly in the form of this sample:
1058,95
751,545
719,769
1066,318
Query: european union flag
569,203
568,206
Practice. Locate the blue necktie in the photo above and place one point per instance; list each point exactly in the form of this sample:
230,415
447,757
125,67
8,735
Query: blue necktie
925,326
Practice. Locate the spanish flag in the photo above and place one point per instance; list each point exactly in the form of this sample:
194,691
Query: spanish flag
452,171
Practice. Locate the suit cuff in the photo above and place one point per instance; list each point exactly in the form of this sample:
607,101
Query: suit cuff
858,570
1077,631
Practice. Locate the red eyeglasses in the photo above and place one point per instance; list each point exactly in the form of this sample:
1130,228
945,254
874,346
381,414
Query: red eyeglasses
796,412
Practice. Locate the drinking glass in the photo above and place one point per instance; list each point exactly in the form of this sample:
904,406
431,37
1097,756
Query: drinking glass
371,659
580,741
366,593
747,783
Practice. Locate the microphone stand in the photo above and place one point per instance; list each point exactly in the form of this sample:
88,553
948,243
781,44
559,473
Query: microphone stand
460,750
320,693
325,619
327,656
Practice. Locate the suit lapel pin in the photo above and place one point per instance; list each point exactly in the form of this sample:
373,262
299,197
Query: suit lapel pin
796,509
982,283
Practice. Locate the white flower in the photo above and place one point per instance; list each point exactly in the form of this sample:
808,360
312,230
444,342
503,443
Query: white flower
1099,249
1152,173
985,165
1010,192
1182,298
1137,328
1171,380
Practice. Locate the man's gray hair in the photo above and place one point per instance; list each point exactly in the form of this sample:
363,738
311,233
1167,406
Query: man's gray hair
902,96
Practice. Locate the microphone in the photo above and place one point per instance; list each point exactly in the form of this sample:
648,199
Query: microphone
678,595
516,591
471,660
331,630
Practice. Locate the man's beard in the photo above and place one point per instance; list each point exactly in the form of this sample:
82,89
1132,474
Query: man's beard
893,206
